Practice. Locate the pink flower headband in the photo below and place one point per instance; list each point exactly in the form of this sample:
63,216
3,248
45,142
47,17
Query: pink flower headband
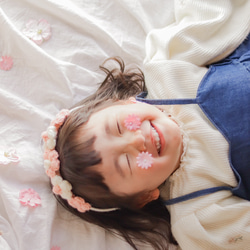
52,166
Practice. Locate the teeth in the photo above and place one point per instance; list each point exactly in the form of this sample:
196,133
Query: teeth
157,140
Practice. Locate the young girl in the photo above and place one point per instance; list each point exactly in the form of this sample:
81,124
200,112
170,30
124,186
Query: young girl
117,162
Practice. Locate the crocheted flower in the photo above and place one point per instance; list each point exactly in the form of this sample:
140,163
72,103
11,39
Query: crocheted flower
132,122
61,187
50,143
45,136
6,63
29,197
9,156
57,189
80,204
51,173
51,132
66,190
60,118
38,31
144,160
51,163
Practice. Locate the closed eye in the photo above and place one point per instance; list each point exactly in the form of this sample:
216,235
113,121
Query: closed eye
129,163
118,127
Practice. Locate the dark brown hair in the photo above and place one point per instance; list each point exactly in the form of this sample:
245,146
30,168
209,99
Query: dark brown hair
78,158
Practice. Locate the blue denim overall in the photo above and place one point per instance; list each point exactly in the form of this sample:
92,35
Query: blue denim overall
224,97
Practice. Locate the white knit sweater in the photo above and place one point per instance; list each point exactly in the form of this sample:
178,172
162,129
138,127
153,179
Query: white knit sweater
204,32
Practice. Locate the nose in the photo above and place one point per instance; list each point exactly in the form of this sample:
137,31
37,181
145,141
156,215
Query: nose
136,140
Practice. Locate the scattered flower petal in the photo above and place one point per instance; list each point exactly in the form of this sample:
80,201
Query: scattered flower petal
144,160
9,156
6,63
55,248
29,197
132,122
38,31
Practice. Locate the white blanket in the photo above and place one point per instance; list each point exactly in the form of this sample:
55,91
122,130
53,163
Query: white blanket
46,78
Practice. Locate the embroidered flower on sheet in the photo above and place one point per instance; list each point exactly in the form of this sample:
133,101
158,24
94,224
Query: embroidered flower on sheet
6,63
55,248
29,197
144,160
8,156
38,31
132,122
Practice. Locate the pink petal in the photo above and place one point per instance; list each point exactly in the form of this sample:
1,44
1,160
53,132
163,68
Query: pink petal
57,189
51,173
80,204
29,197
43,25
31,24
55,165
132,122
53,155
46,35
45,136
38,39
60,118
55,248
6,63
4,160
144,160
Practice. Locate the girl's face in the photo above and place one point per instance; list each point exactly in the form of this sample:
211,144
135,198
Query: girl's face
119,147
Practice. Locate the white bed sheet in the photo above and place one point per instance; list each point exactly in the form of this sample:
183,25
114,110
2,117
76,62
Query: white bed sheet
43,80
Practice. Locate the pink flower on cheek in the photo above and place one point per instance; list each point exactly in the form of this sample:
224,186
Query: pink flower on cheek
144,160
29,197
132,122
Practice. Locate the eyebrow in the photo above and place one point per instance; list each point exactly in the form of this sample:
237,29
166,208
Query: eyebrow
107,129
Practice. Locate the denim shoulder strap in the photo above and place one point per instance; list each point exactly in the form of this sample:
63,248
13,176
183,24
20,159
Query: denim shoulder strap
141,98
196,194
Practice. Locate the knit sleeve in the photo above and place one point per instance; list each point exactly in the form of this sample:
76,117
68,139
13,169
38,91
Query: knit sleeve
203,31
215,227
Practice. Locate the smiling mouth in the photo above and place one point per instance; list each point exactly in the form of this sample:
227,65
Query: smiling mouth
157,140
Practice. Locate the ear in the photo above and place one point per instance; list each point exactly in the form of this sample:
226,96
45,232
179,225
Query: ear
148,197
132,100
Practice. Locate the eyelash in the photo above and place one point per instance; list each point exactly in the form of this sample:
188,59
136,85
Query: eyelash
128,162
118,127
